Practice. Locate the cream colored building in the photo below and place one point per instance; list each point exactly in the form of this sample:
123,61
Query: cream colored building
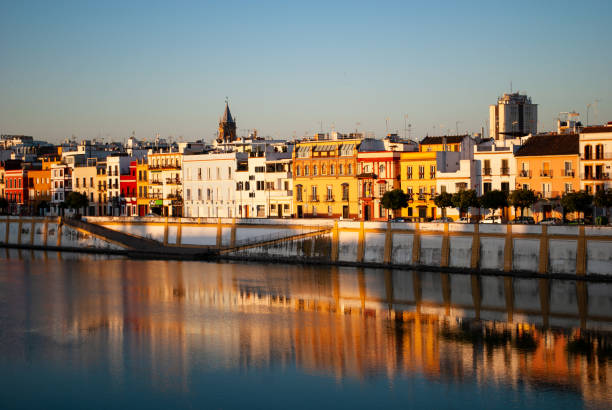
514,114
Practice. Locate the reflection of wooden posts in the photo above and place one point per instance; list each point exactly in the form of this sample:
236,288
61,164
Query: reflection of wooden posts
334,244
335,280
444,258
509,293
583,302
446,292
361,243
388,244
389,288
475,248
508,249
416,244
362,287
544,285
476,294
416,285
543,268
581,252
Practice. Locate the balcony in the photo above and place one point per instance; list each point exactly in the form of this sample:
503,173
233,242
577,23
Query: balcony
486,171
569,173
546,173
596,157
504,171
345,197
525,173
155,182
173,181
330,198
314,198
603,176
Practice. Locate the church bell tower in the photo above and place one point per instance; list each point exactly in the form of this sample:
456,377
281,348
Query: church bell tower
227,126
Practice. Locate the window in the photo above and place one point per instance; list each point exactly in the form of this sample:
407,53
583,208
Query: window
421,172
382,188
199,194
432,172
588,152
314,171
381,170
332,170
350,169
329,210
505,169
340,170
330,193
323,170
443,188
298,192
306,170
188,194
229,172
568,187
486,169
505,187
297,170
546,190
345,192
568,172
487,186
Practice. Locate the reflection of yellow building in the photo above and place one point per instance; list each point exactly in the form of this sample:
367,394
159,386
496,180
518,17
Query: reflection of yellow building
324,178
418,180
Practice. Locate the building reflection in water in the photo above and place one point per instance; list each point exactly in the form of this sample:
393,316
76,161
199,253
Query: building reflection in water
343,322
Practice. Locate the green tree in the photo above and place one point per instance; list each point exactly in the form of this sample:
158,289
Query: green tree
522,198
443,201
603,199
3,204
76,201
464,200
494,200
394,200
576,202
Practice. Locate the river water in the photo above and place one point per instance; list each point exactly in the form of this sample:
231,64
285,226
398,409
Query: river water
83,331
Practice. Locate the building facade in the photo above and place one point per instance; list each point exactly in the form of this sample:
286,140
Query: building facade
513,115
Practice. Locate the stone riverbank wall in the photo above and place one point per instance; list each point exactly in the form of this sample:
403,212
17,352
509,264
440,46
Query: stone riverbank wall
580,250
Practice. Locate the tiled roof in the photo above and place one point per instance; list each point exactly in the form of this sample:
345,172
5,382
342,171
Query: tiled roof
550,144
450,139
597,128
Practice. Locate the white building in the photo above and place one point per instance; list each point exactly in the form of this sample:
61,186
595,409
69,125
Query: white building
513,115
61,185
495,165
596,158
115,166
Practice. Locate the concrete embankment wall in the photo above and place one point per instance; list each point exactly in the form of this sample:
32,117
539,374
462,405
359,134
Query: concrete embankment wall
543,249
50,233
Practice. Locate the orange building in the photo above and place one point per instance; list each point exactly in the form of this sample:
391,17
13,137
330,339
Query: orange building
39,187
548,164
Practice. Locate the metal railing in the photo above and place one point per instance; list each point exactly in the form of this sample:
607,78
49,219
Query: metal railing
281,235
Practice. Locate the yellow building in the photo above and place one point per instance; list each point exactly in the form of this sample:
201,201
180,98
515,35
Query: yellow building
165,183
142,187
101,192
325,183
418,181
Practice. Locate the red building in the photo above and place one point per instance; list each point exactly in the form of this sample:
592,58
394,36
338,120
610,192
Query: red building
127,184
16,190
378,172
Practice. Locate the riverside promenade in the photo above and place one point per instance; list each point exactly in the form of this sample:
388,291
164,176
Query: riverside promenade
488,248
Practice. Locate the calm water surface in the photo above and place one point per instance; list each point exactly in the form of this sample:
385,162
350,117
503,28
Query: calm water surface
80,331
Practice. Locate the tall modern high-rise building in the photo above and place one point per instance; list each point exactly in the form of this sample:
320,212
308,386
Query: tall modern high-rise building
513,115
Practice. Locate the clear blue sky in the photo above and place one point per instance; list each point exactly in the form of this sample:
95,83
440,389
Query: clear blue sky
105,68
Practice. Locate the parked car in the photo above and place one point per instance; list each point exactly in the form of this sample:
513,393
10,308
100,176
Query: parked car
464,220
551,221
398,220
523,220
151,216
492,220
578,221
442,220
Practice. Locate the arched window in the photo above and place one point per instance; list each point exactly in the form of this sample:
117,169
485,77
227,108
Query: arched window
323,169
381,169
350,169
314,170
332,170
